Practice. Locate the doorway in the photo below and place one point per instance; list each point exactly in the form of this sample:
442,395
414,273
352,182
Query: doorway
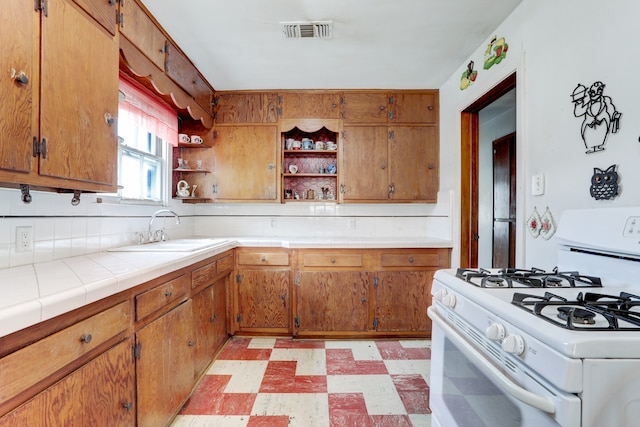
471,208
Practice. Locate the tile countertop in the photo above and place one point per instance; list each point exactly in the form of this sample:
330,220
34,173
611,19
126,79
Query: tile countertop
36,292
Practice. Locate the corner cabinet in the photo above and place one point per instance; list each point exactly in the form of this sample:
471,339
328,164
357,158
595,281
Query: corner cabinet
62,98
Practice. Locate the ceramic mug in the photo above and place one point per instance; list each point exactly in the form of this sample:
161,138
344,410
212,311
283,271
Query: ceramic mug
320,145
297,145
289,144
196,139
307,144
183,137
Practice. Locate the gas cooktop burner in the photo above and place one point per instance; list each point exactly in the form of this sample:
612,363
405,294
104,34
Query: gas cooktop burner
589,311
533,278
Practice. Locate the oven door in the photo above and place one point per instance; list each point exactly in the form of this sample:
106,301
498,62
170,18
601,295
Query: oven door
468,389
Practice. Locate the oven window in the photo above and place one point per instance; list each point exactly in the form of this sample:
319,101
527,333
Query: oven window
471,397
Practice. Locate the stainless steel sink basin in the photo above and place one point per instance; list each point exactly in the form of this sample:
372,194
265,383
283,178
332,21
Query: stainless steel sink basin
177,245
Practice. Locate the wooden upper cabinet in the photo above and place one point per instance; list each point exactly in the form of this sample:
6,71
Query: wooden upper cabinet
180,69
142,32
365,164
365,107
19,109
413,163
104,12
246,160
79,101
414,107
256,107
309,105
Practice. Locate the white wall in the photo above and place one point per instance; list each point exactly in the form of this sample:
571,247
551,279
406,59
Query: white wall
553,46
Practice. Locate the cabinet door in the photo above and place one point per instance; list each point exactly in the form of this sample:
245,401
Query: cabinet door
79,93
333,302
413,160
263,299
414,108
180,69
140,30
365,168
310,105
232,108
401,301
164,370
104,12
19,106
209,314
100,393
365,107
246,161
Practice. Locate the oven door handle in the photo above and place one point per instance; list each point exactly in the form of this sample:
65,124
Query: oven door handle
540,402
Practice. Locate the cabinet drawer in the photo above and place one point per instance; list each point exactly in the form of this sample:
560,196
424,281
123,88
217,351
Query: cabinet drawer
263,258
203,275
332,260
225,264
154,299
26,367
410,260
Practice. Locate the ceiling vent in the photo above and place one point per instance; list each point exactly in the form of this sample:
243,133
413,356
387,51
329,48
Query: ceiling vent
311,29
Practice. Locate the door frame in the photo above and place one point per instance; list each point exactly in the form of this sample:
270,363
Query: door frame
469,172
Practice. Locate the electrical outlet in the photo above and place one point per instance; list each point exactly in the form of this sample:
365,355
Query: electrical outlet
24,239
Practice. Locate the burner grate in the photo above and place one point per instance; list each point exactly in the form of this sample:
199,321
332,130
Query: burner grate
532,278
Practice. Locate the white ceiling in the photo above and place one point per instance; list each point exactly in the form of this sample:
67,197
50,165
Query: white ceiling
399,44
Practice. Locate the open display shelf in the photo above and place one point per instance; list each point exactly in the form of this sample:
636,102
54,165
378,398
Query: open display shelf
309,174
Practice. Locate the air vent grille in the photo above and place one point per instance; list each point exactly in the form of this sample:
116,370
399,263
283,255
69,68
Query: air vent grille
315,29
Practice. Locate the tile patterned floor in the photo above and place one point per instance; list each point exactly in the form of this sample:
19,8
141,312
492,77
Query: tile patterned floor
278,382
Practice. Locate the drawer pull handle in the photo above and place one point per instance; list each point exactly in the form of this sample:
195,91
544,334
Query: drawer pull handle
86,338
263,259
168,294
411,259
192,343
363,299
333,260
127,406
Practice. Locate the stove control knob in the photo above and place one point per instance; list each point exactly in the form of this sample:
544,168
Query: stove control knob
440,294
513,344
495,332
449,300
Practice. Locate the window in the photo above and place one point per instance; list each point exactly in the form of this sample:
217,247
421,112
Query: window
146,130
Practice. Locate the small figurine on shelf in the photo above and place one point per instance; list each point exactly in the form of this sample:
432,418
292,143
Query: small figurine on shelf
182,189
193,190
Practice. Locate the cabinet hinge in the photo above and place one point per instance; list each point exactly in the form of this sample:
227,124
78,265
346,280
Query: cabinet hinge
391,100
375,281
215,116
344,134
343,189
343,100
279,112
119,19
296,281
135,351
239,318
390,115
215,100
296,322
40,147
214,188
42,6
391,135
279,99
375,323
238,278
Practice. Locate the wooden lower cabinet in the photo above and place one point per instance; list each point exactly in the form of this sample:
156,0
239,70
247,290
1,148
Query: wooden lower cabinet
164,369
263,300
401,301
330,302
210,324
86,397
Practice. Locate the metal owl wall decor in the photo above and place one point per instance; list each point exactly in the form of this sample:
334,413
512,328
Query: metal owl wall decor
604,183
600,117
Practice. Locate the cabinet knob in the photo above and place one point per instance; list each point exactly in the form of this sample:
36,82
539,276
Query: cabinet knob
333,260
263,259
109,119
168,294
363,299
86,338
19,77
411,259
127,405
383,166
192,343
383,107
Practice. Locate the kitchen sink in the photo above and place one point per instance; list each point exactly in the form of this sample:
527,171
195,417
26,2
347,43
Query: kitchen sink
177,245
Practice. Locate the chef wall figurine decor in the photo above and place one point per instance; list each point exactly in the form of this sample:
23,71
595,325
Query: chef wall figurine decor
600,117
604,183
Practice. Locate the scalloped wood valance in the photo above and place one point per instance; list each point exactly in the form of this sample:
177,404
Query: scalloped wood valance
309,125
136,65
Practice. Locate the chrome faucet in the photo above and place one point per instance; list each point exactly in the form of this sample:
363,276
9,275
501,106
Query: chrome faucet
150,237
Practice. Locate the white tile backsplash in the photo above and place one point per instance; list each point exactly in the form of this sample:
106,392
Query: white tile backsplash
61,230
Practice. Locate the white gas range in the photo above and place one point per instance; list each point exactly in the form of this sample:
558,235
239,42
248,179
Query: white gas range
515,347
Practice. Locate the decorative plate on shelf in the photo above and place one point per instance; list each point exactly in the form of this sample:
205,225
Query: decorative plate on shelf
293,168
